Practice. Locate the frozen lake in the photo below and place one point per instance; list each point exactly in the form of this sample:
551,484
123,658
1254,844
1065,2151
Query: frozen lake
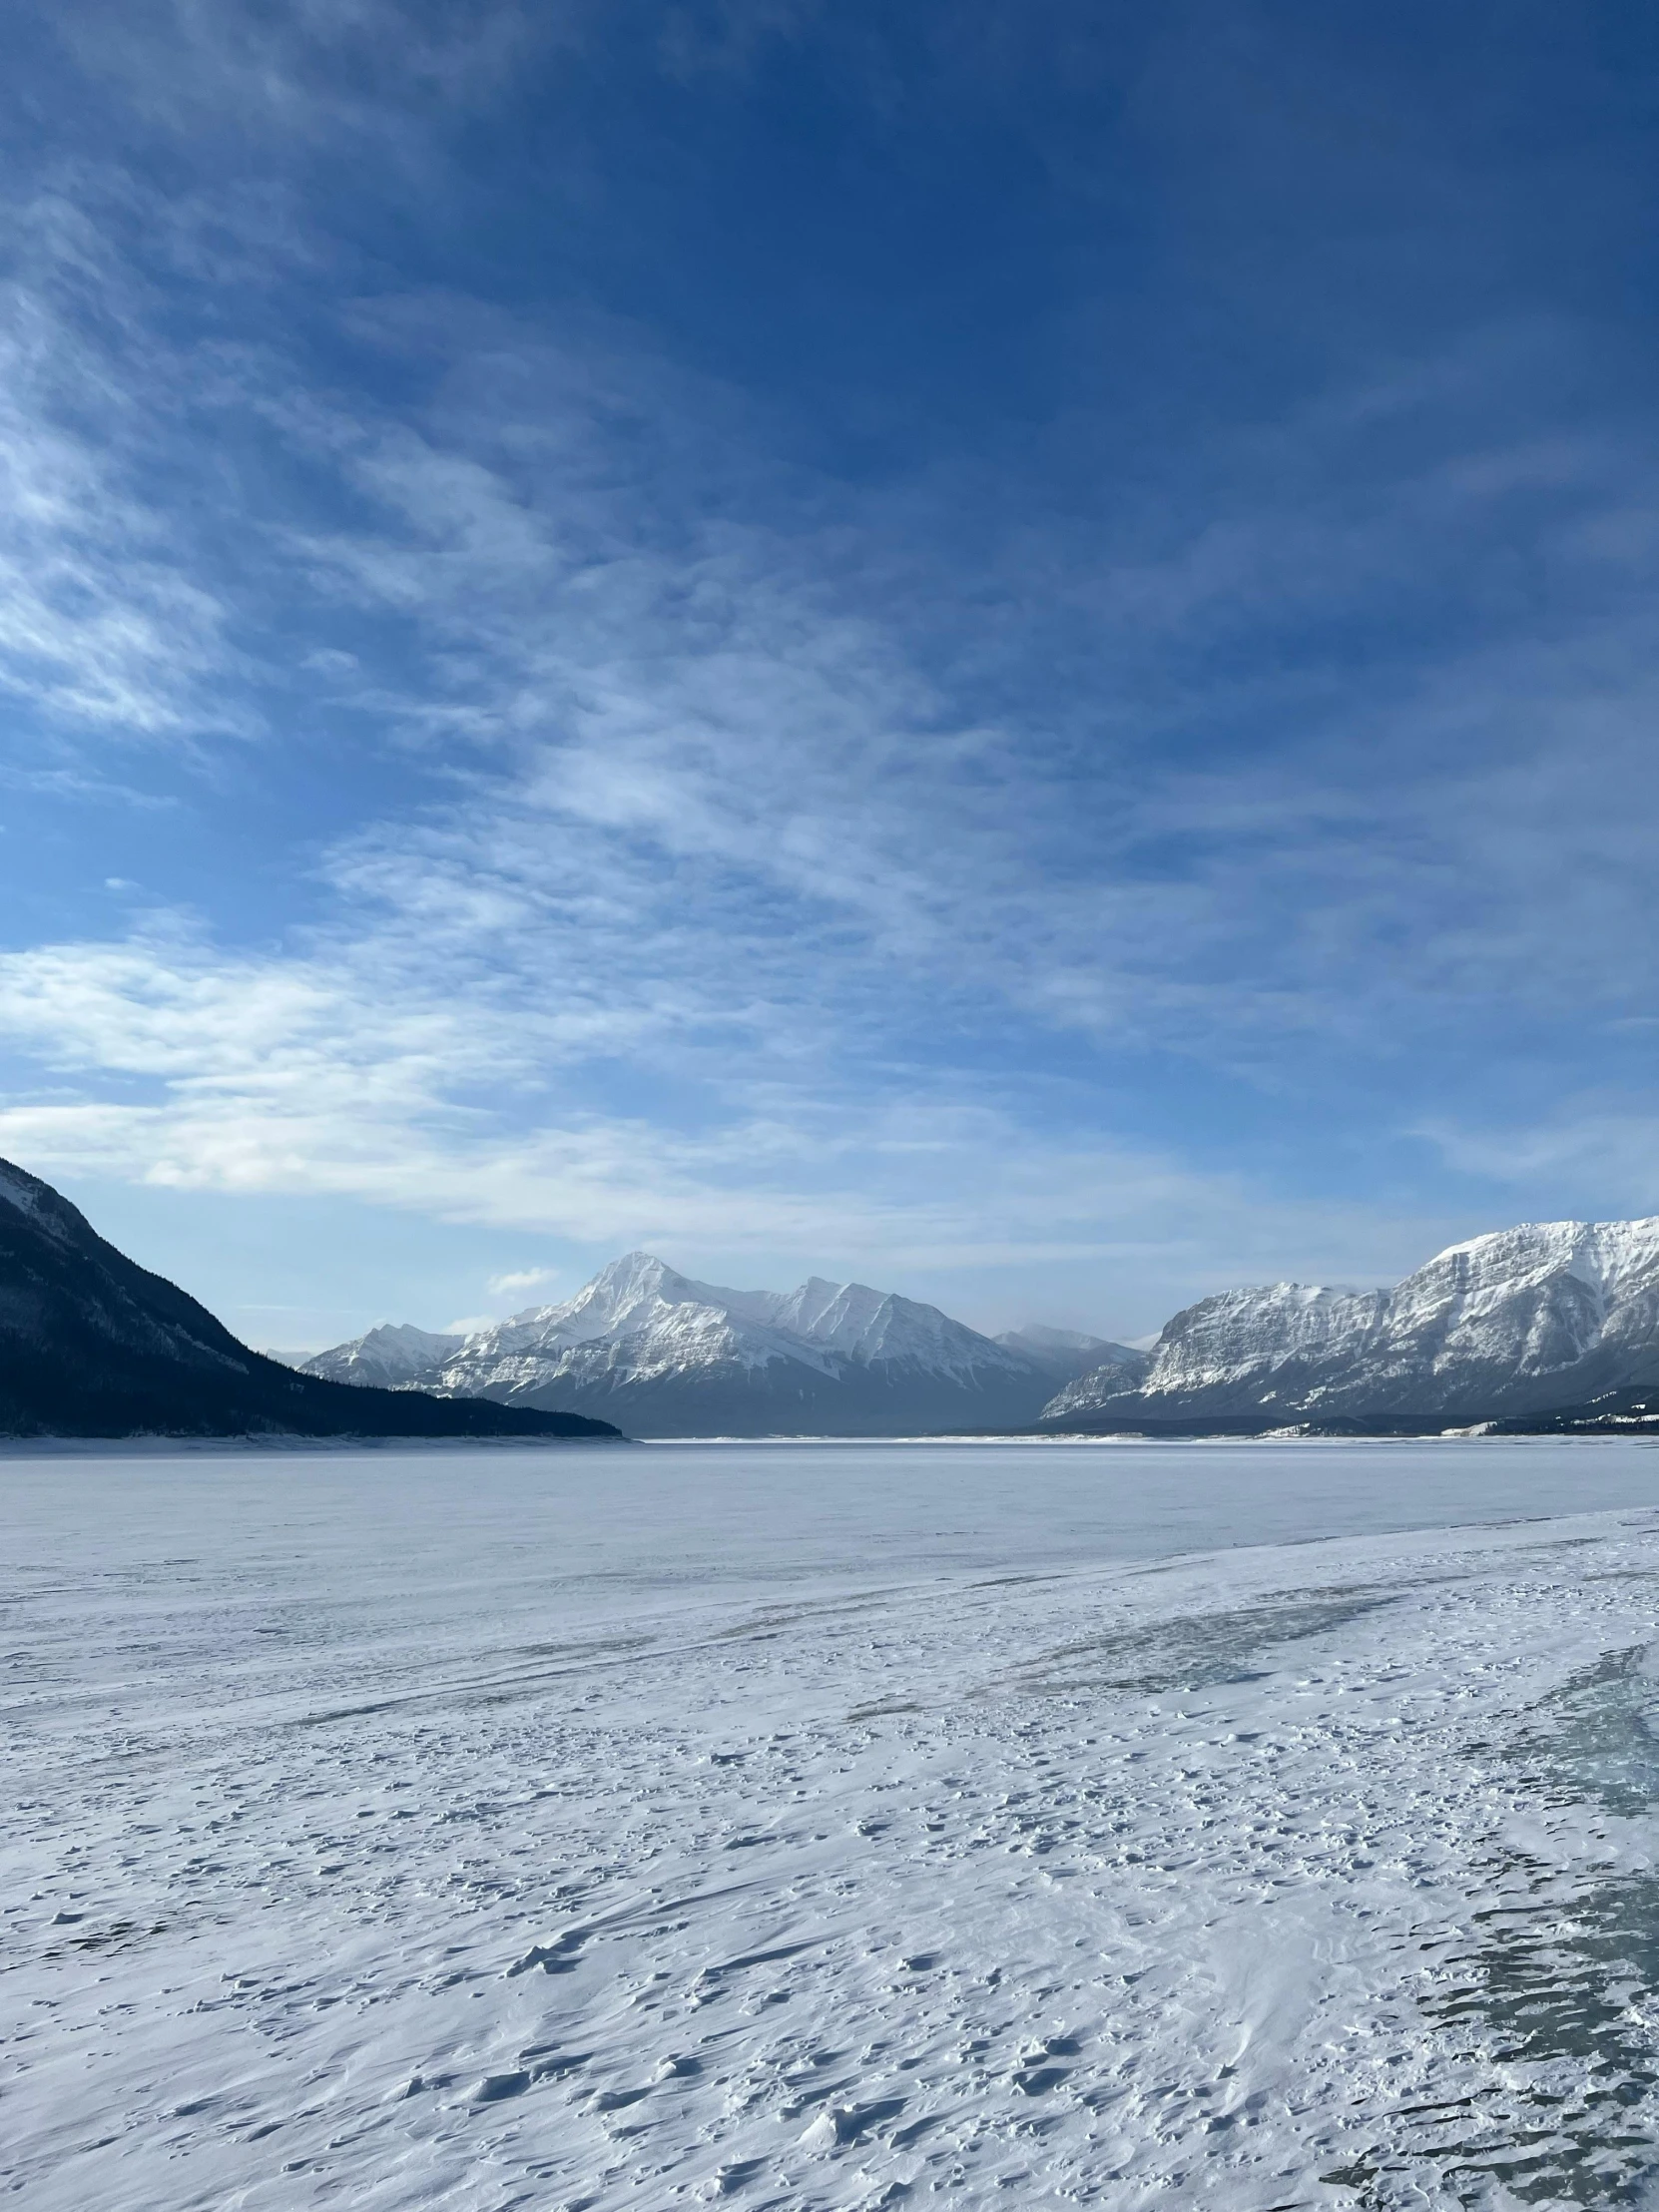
575,1530
832,1826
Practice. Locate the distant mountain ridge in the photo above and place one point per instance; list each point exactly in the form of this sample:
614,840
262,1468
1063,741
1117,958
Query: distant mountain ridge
1514,1323
1554,1319
1066,1353
386,1357
92,1345
661,1353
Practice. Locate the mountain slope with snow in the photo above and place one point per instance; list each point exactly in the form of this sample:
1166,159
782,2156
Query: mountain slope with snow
1514,1323
661,1353
386,1357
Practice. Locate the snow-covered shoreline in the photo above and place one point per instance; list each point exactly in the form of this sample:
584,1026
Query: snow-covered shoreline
200,1447
168,1448
396,1842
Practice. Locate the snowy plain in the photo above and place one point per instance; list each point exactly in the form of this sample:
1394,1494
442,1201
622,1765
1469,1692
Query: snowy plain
1255,1825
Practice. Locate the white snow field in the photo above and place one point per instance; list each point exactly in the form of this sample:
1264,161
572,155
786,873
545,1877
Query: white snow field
831,1826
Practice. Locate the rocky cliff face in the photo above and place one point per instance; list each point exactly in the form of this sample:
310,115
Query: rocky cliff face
1526,1319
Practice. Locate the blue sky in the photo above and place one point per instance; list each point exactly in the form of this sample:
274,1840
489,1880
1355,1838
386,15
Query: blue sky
1008,651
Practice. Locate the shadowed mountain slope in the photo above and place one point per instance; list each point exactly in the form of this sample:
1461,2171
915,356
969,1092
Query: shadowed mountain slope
92,1345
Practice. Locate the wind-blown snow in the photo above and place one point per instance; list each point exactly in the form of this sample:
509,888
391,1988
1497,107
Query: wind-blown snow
829,1828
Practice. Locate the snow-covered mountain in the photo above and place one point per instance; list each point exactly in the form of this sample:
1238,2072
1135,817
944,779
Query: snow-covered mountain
663,1355
1524,1319
386,1357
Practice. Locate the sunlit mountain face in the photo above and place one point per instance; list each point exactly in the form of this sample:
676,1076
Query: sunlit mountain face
669,1356
1548,1315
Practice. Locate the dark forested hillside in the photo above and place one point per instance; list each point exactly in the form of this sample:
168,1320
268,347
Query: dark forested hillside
92,1345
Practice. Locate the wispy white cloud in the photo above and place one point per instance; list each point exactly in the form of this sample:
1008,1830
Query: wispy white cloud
308,71
1602,1156
708,824
100,622
258,1079
718,826
521,1279
698,722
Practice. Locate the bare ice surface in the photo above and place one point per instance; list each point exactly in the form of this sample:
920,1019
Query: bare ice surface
845,1826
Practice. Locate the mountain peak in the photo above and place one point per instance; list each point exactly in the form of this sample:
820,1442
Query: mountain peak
634,1266
673,1355
46,1208
386,1357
